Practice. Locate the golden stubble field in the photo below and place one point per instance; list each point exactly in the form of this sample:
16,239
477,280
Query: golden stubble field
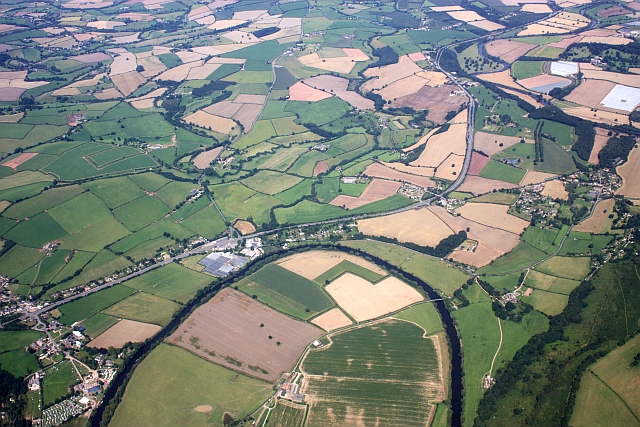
312,264
124,331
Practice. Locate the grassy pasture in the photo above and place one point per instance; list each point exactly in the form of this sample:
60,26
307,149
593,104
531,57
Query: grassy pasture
541,238
79,260
151,232
18,259
575,268
106,157
23,178
44,201
526,69
547,302
49,267
86,307
319,112
19,363
424,315
286,291
502,172
206,222
306,163
114,192
270,182
96,236
545,282
144,307
171,281
36,231
58,381
237,201
79,212
97,324
23,192
146,401
141,212
149,181
344,267
149,249
520,257
295,193
497,198
14,340
556,160
354,373
175,192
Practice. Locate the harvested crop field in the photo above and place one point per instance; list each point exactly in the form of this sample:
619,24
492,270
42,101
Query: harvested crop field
364,300
244,227
378,189
441,145
478,185
507,50
385,75
494,216
438,100
412,170
407,86
612,11
301,92
206,120
332,320
491,144
419,226
544,83
239,333
630,171
342,65
127,83
377,170
339,86
203,160
590,92
124,331
320,167
533,177
312,264
623,79
478,162
17,161
89,58
502,78
555,189
595,222
598,116
600,142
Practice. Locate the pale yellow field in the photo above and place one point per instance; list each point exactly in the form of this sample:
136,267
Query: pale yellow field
533,177
446,8
226,23
421,141
141,104
179,73
502,78
383,76
419,226
536,8
152,66
478,185
378,189
206,120
11,118
407,86
607,40
124,331
555,189
413,170
598,116
624,79
630,171
600,142
440,146
465,15
595,222
342,65
491,144
378,170
301,92
332,320
111,93
494,216
202,72
364,300
127,83
451,167
204,159
65,91
540,29
436,78
123,63
244,227
312,264
487,25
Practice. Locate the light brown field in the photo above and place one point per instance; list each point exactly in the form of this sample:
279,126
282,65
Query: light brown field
376,170
536,8
152,66
321,167
314,263
17,161
494,216
422,140
239,333
600,142
487,25
434,78
451,167
11,93
507,50
417,56
624,79
339,86
364,300
247,115
465,15
540,29
225,23
566,41
127,83
555,189
412,170
502,78
541,80
141,104
332,320
110,93
203,160
223,109
595,222
383,76
179,73
478,185
607,40
342,65
630,171
244,227
89,58
590,92
527,98
202,72
440,146
123,332
598,116
244,98
419,226
378,189
491,144
407,86
11,118
301,92
446,8
206,120
533,177
492,242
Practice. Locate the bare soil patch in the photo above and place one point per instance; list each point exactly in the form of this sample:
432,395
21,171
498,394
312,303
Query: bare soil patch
17,161
301,92
438,100
478,161
630,171
419,226
338,86
555,189
491,144
533,177
494,216
590,92
600,142
595,222
203,408
478,185
379,171
204,160
378,189
239,333
364,300
244,227
321,167
508,50
612,11
312,264
124,331
332,320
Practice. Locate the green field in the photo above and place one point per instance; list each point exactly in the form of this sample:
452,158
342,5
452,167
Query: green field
44,201
356,369
141,212
556,160
37,231
149,181
547,302
96,236
319,112
114,192
97,324
18,259
287,415
286,291
144,307
79,212
502,172
425,315
438,274
206,222
541,238
13,340
567,267
147,403
549,283
497,197
86,307
58,381
347,266
526,69
271,182
522,256
19,363
172,282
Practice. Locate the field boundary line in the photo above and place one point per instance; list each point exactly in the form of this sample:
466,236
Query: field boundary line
614,392
499,348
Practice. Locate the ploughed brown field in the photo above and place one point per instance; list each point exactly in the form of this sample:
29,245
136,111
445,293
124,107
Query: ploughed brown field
238,332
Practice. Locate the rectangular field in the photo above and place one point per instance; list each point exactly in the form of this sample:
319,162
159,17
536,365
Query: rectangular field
238,332
123,332
312,264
